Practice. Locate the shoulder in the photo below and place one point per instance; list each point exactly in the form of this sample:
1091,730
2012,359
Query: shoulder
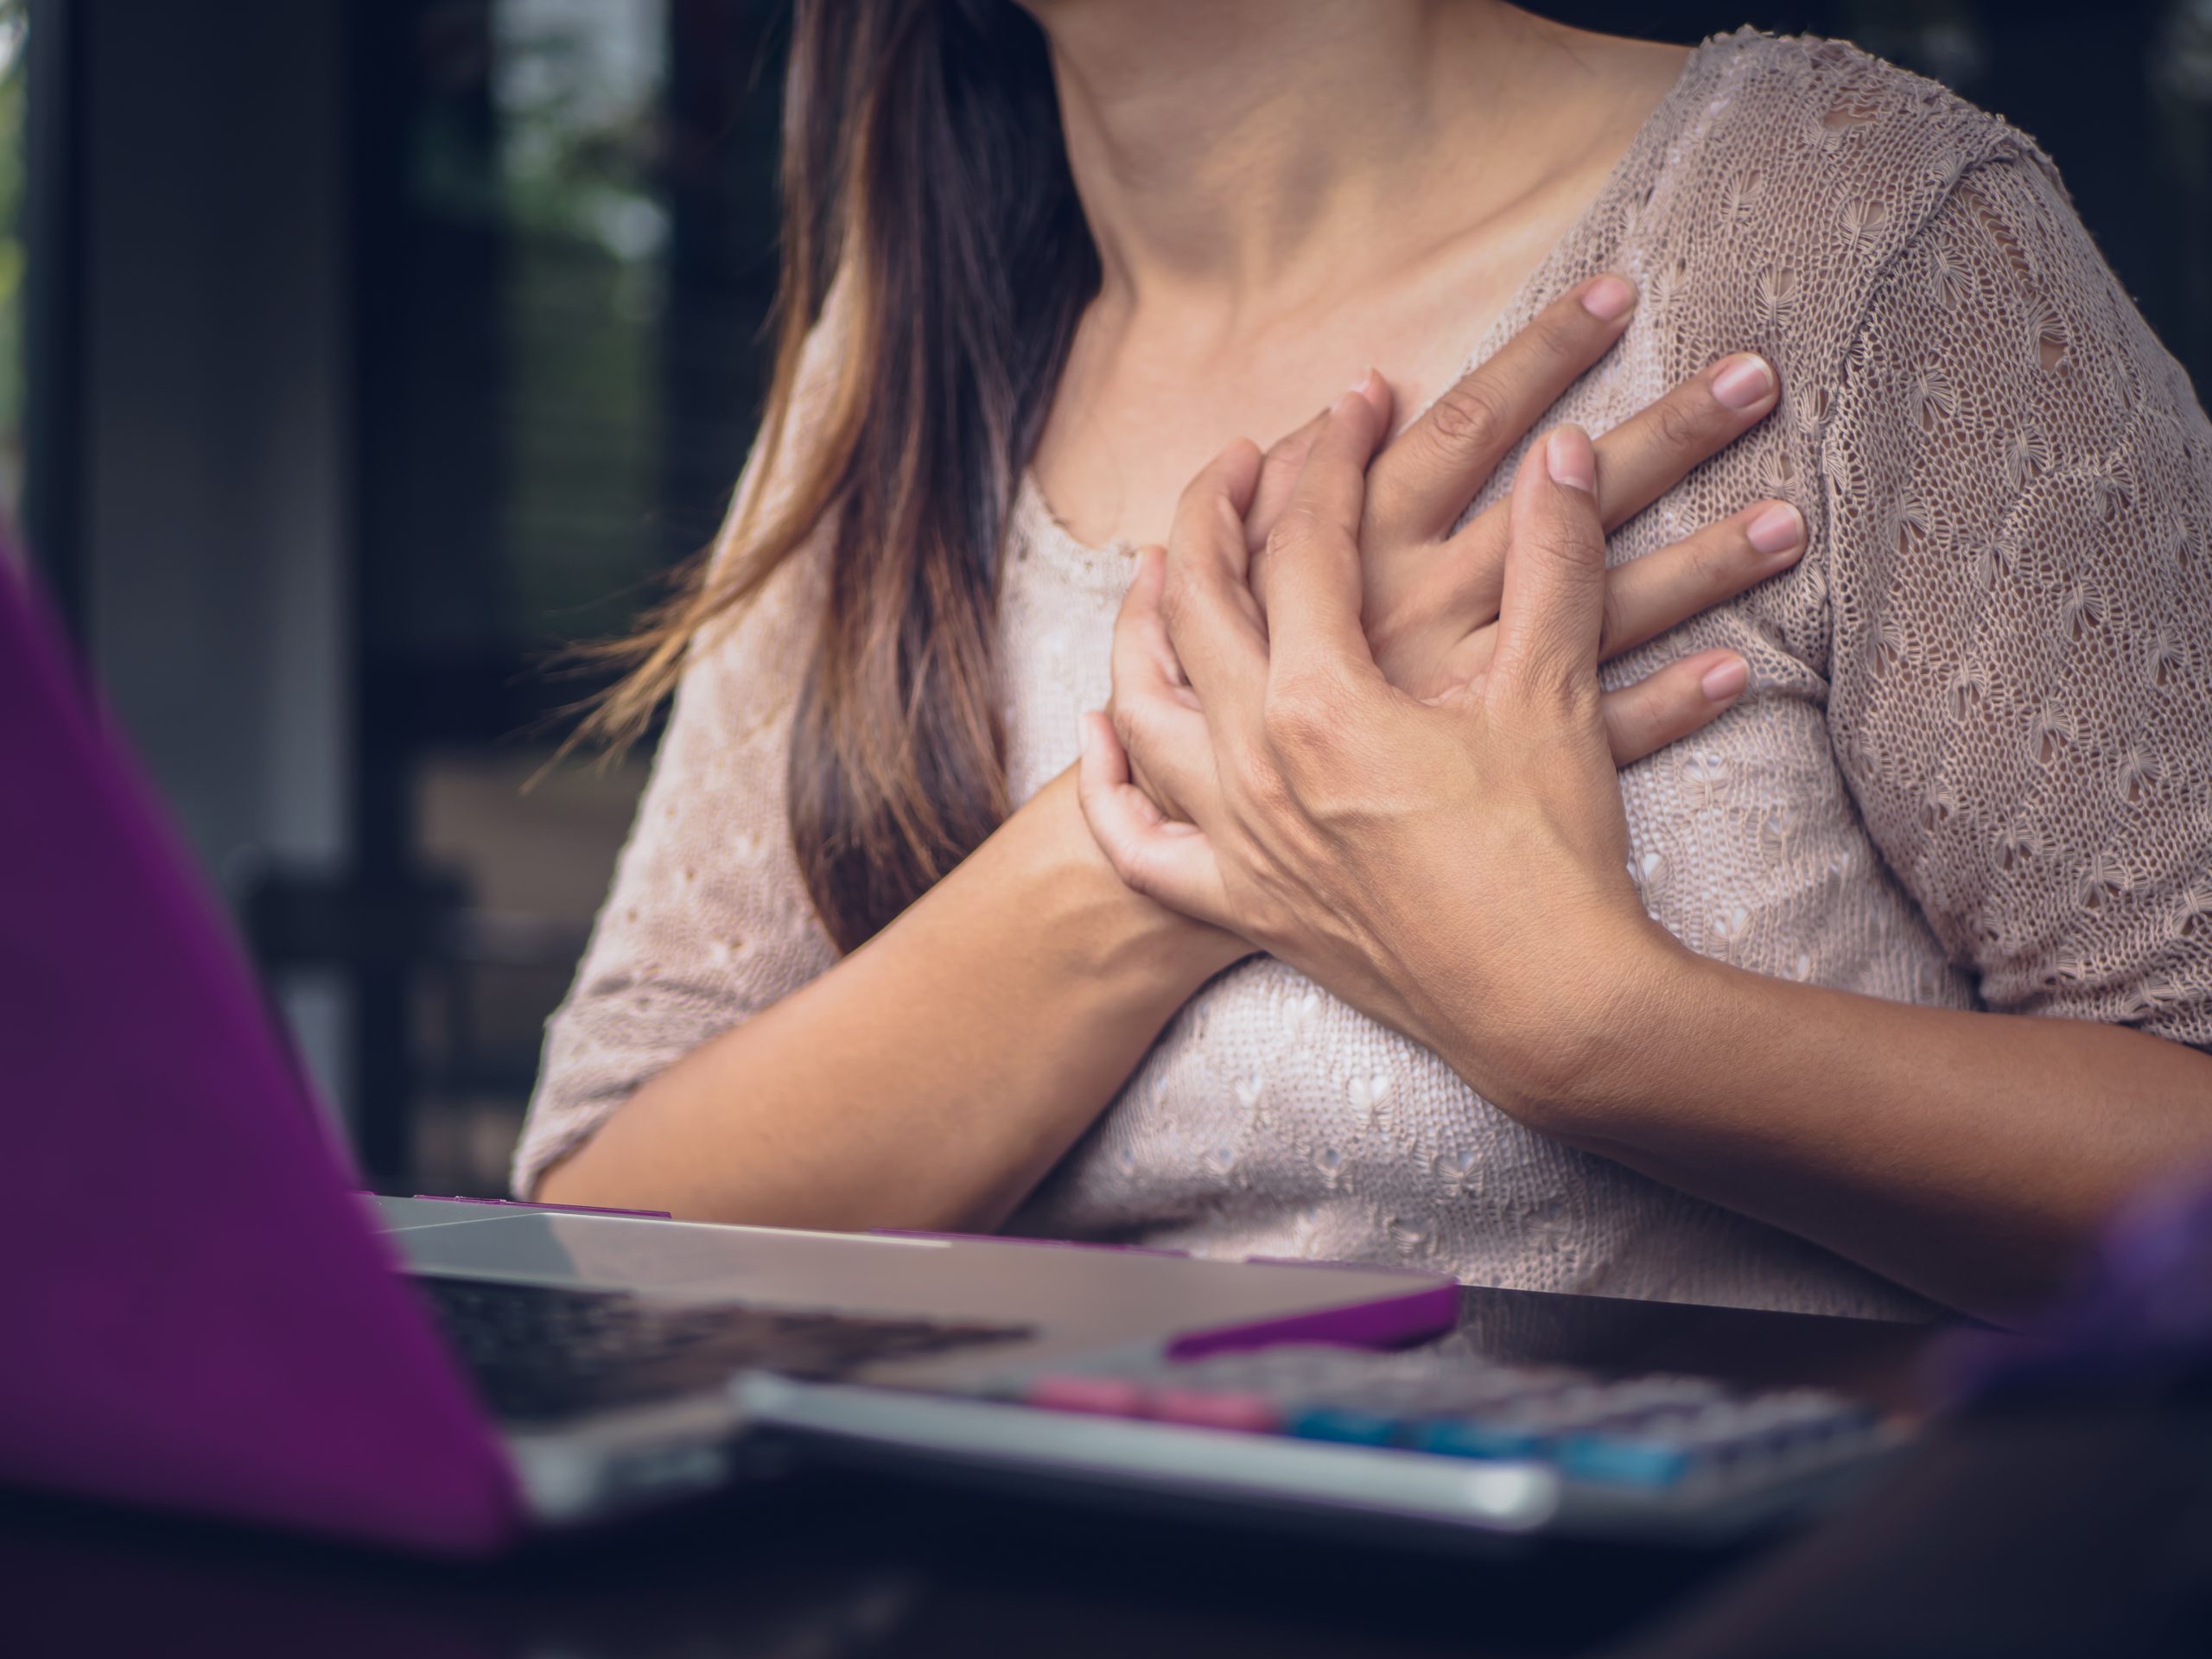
1828,119
1799,170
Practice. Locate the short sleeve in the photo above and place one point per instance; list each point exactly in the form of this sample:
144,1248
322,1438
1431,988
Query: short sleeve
709,920
2020,497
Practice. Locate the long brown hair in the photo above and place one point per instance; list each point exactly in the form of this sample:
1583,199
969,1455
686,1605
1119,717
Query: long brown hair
923,170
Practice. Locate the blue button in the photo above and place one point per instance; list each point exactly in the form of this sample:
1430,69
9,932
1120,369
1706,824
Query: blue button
1472,1437
1343,1423
1620,1461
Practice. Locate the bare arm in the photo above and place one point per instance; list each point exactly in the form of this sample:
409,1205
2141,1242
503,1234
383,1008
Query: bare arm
1969,1155
930,1079
2034,773
2032,766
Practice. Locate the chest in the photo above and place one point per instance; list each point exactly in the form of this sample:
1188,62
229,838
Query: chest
1123,447
1144,404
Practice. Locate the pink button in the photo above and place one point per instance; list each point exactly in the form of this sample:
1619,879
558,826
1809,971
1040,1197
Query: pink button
1251,1414
1105,1396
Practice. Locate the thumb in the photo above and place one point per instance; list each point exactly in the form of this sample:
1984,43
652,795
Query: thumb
1553,607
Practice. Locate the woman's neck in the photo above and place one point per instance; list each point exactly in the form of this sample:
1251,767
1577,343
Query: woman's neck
1285,192
1247,154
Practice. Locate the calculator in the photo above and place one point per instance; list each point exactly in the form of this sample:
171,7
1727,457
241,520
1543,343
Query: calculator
1441,1440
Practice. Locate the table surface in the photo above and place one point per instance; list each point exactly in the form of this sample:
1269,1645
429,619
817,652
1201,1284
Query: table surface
828,1562
2060,1529
2082,1527
2060,1522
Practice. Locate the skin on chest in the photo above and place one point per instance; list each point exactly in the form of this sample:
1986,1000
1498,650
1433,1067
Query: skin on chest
1151,393
1123,445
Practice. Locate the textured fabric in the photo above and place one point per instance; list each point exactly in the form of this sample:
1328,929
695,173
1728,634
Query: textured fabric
1973,770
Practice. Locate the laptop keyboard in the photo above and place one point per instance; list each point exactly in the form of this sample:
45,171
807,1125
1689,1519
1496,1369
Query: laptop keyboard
541,1352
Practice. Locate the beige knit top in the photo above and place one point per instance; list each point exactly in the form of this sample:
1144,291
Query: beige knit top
1974,767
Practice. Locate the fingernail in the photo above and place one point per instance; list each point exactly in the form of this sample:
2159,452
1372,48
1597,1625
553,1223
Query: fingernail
1363,390
1609,298
1570,460
1725,682
1743,381
1779,529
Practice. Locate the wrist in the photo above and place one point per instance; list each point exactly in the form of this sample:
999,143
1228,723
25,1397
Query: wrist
1581,1043
1117,934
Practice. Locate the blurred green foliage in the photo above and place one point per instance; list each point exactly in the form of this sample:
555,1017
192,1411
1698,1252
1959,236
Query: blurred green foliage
577,88
14,34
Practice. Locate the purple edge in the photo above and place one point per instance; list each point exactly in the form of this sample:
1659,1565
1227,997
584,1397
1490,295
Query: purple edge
1037,1244
1382,1324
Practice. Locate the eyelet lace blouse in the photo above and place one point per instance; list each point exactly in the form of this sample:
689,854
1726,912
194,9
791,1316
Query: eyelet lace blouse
1973,769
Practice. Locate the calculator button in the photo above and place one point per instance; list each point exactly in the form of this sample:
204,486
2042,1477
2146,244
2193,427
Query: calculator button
1474,1437
1104,1396
1624,1460
1250,1414
1346,1425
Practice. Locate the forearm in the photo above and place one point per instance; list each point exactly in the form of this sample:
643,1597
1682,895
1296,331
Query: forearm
1968,1155
930,1079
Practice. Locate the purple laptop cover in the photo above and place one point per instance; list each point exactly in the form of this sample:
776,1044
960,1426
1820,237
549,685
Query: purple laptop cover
194,1314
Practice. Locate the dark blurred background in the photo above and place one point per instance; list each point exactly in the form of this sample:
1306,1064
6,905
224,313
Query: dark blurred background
356,353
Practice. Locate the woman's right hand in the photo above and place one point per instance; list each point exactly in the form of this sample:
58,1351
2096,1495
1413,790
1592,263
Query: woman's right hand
1431,594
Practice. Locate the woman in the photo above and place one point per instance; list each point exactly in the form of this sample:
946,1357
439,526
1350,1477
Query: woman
1960,731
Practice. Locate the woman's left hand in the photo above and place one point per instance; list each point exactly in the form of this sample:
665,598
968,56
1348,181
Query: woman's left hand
1455,868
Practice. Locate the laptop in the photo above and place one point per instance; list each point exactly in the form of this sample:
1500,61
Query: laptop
203,1314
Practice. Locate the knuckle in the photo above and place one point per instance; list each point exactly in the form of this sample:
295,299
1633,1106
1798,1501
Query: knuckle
1472,416
1679,425
1120,714
1723,556
1303,712
1287,453
1552,674
1208,486
1613,622
1183,586
1566,332
1269,792
1294,727
1298,527
1563,545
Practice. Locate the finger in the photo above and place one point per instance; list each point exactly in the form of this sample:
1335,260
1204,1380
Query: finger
1169,751
1171,864
1662,707
1422,483
1316,580
1647,596
1278,470
1155,715
1653,450
1142,655
1554,571
1638,461
1213,625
